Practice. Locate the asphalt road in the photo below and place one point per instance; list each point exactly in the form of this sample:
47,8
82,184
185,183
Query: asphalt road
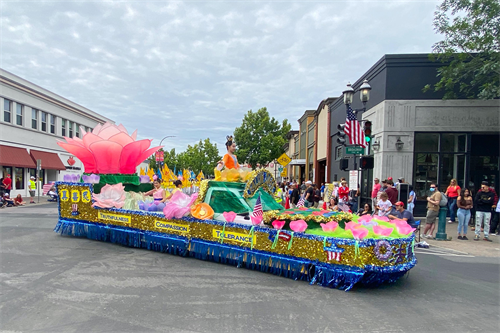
53,283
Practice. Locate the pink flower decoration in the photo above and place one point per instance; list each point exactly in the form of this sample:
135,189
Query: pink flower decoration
351,225
383,218
359,232
382,231
110,196
330,226
229,216
109,149
278,224
365,218
298,225
256,220
179,205
404,229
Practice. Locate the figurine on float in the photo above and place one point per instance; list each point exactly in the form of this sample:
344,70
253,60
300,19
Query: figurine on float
229,161
228,169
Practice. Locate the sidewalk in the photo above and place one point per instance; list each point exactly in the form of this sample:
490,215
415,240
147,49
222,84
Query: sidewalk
476,248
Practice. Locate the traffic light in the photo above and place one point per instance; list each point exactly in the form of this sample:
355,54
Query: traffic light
368,130
341,134
366,162
344,164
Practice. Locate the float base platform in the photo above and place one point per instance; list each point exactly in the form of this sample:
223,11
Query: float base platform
333,276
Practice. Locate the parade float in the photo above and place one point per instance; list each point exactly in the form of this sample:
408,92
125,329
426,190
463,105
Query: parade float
232,219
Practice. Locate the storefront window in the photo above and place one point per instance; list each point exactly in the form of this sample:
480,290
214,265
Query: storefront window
454,143
452,167
7,171
19,176
426,172
426,142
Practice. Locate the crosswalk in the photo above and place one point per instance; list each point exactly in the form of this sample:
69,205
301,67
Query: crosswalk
442,251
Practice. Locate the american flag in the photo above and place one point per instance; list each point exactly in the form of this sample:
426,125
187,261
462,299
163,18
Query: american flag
301,202
353,129
337,256
257,209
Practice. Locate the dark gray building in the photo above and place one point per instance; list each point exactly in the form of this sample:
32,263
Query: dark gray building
420,136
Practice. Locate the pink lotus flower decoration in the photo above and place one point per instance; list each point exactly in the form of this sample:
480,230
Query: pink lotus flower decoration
382,231
365,218
351,225
330,226
404,229
229,216
179,205
278,224
110,196
383,218
256,220
359,232
109,149
298,225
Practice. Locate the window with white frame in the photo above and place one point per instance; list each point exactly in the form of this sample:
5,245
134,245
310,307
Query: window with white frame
19,114
7,110
34,118
44,121
77,130
70,129
52,124
63,127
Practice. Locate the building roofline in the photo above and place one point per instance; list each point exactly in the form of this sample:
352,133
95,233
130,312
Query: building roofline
306,114
17,82
322,104
290,134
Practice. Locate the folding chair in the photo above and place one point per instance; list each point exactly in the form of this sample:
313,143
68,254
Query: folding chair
417,227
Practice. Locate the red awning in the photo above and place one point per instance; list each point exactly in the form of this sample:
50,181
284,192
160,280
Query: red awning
49,160
15,157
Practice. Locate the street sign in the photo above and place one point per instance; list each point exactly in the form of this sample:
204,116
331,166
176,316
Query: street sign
284,159
284,173
353,180
280,168
354,150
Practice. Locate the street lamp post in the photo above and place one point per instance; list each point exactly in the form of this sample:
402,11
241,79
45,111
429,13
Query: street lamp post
161,157
364,96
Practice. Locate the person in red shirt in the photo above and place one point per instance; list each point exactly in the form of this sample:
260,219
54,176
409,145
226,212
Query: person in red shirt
343,192
452,193
7,183
391,191
375,190
18,201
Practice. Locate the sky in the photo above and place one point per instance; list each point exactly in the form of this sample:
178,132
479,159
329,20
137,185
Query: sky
192,69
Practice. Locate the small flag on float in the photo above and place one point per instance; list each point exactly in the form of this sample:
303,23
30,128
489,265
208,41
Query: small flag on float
257,209
337,256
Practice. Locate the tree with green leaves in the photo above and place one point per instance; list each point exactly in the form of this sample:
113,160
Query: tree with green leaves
260,138
470,49
203,156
